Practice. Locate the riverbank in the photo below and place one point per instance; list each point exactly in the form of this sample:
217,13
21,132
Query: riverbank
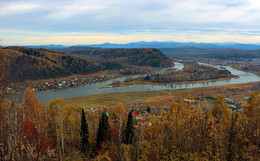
164,98
98,88
75,80
71,81
141,82
242,68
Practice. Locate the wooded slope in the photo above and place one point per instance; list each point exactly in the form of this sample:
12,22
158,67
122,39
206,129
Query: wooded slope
139,57
32,64
219,53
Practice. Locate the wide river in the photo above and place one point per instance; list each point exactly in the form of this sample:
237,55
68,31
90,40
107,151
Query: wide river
98,88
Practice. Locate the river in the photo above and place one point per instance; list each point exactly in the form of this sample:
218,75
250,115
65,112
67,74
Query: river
98,88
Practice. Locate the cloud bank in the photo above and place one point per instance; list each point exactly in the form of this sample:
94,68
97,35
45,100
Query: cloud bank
71,22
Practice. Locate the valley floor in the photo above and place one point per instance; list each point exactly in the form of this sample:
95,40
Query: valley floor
164,98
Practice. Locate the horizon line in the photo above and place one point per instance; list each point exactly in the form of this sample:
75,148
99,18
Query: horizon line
137,42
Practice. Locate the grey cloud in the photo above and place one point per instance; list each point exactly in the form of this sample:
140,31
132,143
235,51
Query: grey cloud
135,16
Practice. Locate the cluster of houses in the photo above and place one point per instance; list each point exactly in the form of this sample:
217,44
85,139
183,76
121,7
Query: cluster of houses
234,106
140,111
70,83
73,82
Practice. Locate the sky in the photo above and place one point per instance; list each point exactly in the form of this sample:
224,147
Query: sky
71,22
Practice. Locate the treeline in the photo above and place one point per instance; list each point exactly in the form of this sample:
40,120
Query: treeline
190,72
132,70
33,64
139,57
252,68
185,132
219,53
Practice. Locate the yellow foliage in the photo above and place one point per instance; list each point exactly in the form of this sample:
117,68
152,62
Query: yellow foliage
221,108
252,107
103,157
119,113
31,107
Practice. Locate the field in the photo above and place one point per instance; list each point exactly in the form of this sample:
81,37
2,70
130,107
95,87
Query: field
165,97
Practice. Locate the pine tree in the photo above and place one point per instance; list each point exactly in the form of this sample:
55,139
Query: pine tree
84,133
104,120
99,138
103,130
148,109
129,131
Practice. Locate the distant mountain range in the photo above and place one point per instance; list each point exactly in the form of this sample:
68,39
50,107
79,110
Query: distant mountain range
157,44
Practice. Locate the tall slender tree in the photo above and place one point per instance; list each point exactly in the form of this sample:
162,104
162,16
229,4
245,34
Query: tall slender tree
129,130
84,133
148,109
99,138
103,130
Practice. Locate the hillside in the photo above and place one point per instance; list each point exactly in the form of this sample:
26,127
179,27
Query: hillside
220,53
33,64
139,57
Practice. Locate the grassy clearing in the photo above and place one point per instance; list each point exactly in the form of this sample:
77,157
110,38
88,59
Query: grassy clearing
165,97
113,98
232,91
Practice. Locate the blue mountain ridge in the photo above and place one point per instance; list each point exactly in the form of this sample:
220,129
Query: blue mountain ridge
158,44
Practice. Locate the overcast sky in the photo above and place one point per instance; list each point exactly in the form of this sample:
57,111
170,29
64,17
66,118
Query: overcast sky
70,22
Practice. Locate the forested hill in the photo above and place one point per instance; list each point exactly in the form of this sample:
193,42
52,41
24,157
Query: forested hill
32,64
219,53
131,56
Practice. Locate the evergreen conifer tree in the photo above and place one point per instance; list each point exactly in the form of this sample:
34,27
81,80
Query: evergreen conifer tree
148,109
103,130
129,130
104,120
84,133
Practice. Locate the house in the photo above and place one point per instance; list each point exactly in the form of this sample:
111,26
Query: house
134,114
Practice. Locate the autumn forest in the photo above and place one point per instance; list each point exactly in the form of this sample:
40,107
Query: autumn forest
129,80
30,130
59,131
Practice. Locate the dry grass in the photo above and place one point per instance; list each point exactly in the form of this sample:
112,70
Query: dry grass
112,98
165,97
231,91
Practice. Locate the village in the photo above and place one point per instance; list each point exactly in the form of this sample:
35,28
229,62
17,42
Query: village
61,84
142,113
